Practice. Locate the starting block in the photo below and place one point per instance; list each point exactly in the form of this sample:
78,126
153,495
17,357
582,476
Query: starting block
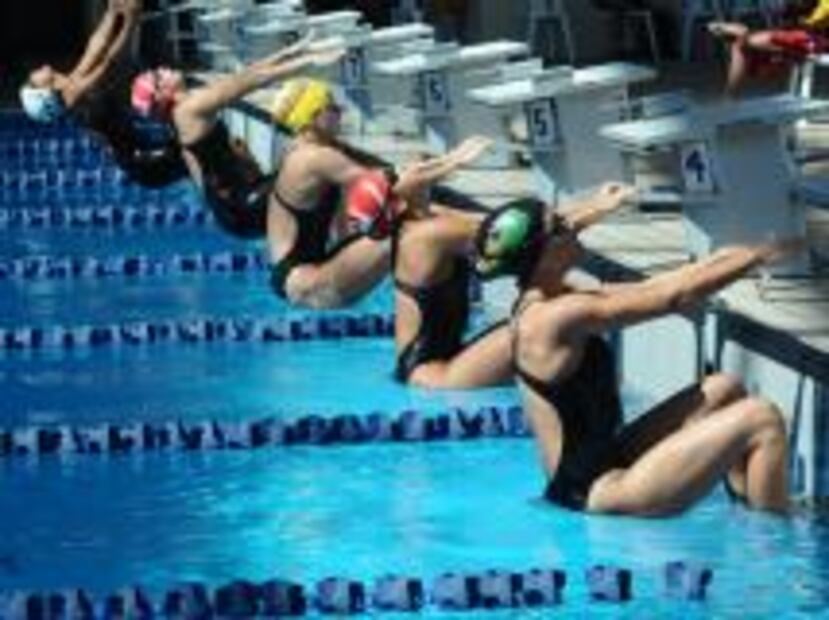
735,175
564,109
441,74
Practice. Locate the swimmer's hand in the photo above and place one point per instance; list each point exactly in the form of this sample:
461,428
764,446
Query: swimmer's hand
307,51
728,30
581,213
317,58
295,49
417,177
325,56
469,150
614,195
125,6
778,249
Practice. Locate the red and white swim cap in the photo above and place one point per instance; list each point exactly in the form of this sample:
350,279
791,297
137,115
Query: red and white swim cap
370,204
153,93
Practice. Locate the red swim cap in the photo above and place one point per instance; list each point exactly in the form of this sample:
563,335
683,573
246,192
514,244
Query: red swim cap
370,204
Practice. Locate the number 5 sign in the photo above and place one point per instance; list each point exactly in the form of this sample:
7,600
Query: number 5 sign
436,100
542,120
697,169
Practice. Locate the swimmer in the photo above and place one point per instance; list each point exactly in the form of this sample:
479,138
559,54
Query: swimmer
769,53
232,183
669,458
306,209
96,93
432,262
431,266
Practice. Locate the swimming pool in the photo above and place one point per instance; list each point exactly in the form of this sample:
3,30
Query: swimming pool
307,512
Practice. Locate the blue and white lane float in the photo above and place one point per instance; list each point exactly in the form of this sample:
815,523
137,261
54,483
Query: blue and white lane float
479,591
191,330
457,424
46,267
109,216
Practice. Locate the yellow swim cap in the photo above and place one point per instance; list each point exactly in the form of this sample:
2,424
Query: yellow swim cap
299,101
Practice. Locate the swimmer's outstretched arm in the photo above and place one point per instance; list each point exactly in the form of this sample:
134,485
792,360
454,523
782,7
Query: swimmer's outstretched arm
208,100
684,287
105,46
419,176
581,213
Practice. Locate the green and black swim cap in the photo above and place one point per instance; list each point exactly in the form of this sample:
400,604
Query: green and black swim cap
510,239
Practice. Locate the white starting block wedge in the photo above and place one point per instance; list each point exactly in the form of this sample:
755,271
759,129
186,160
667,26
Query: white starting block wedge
654,106
494,122
221,35
217,38
387,40
442,77
180,29
802,84
736,177
265,14
804,74
564,109
334,23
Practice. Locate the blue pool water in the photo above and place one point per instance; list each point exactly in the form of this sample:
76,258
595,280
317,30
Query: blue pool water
364,511
99,242
228,381
101,522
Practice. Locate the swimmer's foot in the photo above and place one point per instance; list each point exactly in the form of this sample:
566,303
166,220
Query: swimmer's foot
727,30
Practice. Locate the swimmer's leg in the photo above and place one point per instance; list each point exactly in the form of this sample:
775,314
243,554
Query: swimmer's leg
485,361
682,467
345,277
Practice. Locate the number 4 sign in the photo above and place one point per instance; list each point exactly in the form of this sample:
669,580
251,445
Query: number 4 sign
697,169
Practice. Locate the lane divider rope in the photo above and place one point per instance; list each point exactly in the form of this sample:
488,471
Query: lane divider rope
92,173
480,591
130,194
46,267
491,421
200,329
104,216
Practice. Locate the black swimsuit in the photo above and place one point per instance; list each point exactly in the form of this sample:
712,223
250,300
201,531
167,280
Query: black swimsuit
444,316
590,413
313,228
235,188
149,153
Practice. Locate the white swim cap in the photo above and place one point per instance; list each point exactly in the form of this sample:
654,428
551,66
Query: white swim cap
42,105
